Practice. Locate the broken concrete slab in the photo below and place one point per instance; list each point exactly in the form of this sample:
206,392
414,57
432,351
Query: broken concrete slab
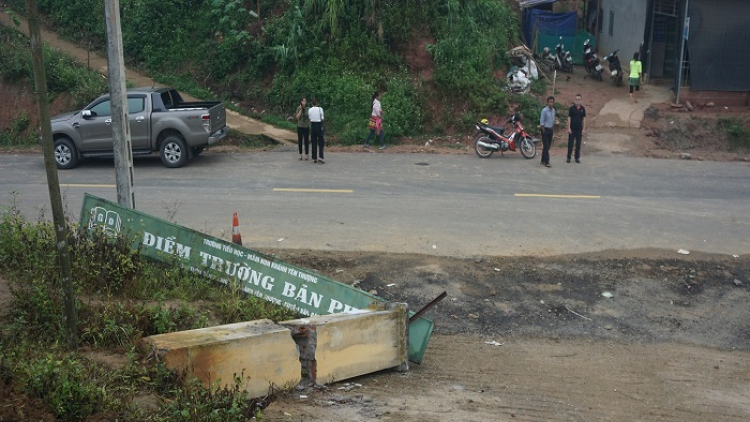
261,352
342,346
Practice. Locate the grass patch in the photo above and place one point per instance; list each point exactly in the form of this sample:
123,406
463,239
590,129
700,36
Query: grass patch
737,131
19,133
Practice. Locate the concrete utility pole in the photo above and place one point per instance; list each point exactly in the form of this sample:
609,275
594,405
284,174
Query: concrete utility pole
53,183
598,21
123,148
684,36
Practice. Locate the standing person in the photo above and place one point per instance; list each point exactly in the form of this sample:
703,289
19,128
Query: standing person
636,69
376,121
303,128
315,113
546,123
576,127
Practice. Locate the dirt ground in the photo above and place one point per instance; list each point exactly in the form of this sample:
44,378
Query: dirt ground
670,345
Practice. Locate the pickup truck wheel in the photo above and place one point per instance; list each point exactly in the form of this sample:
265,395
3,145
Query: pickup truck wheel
66,156
173,152
197,150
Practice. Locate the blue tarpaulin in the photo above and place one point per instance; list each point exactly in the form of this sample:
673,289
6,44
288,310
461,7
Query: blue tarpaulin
557,24
531,3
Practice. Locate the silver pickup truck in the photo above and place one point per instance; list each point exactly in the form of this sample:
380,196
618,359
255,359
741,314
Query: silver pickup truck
159,121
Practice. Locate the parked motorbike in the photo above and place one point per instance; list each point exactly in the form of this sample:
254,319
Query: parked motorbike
591,61
615,70
546,60
489,139
563,59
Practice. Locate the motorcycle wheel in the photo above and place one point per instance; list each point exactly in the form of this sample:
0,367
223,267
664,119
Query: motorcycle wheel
481,152
528,148
599,75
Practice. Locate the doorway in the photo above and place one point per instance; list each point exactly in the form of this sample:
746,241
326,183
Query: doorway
664,36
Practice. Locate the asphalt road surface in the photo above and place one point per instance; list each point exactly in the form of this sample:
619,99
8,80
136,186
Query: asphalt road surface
457,205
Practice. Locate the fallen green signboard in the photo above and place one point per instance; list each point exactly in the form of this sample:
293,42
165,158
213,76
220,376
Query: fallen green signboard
305,292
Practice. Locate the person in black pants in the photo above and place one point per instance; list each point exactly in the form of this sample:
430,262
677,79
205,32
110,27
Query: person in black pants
303,128
316,115
576,127
546,123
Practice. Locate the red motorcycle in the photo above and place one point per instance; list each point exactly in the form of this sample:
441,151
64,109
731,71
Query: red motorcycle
489,139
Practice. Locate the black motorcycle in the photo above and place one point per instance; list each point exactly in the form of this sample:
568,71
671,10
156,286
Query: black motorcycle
615,70
563,59
591,61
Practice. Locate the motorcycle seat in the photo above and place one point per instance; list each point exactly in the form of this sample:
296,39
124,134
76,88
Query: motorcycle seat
497,129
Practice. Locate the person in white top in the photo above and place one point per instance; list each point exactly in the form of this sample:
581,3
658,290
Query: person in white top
316,131
376,122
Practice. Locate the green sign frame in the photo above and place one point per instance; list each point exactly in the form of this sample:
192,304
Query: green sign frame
303,291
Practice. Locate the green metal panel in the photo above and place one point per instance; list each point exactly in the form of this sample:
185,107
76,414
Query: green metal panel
572,44
303,291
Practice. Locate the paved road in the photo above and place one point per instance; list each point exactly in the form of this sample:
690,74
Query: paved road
456,205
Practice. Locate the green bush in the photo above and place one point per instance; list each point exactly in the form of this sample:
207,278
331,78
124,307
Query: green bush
65,384
739,135
63,74
196,403
19,133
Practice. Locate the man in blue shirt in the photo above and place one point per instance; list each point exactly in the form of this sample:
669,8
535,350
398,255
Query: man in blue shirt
546,123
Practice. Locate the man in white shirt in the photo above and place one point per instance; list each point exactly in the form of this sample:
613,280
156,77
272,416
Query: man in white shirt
316,131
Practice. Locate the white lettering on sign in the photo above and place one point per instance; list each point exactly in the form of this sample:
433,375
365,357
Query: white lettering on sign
252,272
336,307
166,245
290,290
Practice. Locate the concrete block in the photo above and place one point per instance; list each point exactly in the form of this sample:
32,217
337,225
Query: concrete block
341,346
262,352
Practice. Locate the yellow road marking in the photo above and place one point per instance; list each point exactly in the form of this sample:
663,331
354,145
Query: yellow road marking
75,185
313,190
539,195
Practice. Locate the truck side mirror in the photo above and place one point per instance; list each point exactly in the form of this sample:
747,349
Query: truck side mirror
87,114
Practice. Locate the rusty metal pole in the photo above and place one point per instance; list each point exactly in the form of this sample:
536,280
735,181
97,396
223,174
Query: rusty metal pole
53,182
427,307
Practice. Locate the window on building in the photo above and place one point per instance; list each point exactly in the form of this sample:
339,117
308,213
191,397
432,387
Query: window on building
611,23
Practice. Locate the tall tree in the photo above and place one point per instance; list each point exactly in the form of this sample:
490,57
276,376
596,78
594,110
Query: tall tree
53,183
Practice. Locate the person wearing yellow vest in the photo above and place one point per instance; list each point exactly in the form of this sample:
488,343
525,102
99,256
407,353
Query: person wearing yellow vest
636,69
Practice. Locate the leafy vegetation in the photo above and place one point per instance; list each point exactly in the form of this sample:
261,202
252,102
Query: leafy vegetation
738,133
337,51
19,133
122,297
64,75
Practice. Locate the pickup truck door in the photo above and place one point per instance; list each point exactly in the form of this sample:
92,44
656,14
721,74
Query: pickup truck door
139,122
96,130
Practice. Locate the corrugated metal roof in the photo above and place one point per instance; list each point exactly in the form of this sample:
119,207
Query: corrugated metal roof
531,3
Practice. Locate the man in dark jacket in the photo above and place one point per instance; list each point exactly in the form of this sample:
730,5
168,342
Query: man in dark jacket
576,127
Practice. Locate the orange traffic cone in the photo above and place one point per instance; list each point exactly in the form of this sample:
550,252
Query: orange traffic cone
236,237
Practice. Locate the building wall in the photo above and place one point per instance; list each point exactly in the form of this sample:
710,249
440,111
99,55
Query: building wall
628,30
718,44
